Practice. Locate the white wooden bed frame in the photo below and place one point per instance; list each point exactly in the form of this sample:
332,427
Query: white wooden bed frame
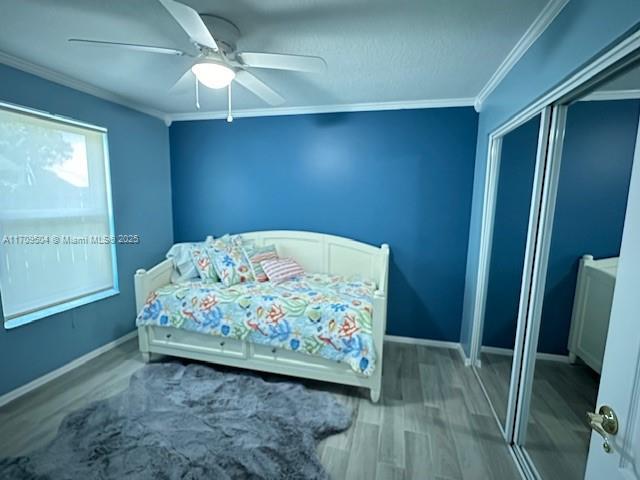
591,310
316,252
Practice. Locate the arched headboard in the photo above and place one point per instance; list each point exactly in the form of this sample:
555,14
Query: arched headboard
319,252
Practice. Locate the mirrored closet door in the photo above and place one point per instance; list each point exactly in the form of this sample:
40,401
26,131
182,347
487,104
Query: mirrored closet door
513,179
593,172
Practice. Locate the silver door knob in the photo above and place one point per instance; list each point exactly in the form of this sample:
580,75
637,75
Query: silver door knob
605,422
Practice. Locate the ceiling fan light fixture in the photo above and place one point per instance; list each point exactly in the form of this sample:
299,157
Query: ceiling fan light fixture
213,75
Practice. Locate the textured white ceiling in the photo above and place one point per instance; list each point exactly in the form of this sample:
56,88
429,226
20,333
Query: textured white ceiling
376,50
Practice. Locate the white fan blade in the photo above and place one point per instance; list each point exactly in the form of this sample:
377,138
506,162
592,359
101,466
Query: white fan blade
282,61
130,46
185,81
191,23
258,88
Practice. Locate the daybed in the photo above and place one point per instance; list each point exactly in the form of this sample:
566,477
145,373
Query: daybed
326,325
591,310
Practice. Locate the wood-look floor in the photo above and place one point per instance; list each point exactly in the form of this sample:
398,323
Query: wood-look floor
557,435
495,374
432,422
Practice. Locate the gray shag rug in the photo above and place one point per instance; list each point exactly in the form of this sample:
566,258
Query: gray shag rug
191,421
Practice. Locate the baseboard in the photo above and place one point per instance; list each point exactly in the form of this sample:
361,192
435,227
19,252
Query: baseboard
421,341
552,357
497,351
430,343
38,382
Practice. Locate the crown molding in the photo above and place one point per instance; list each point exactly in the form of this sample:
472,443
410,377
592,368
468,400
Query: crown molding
537,28
168,118
612,95
67,81
338,108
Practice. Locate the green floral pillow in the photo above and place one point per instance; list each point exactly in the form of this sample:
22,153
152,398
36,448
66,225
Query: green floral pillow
255,255
229,260
203,263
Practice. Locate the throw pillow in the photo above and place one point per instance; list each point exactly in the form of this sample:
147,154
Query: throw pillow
260,254
203,263
230,262
281,269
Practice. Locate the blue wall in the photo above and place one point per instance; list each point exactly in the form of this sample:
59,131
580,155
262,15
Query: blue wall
577,35
140,173
594,180
515,186
401,177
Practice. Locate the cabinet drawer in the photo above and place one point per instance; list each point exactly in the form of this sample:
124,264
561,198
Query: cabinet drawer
295,359
198,342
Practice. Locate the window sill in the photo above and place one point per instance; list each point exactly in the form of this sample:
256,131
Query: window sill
63,307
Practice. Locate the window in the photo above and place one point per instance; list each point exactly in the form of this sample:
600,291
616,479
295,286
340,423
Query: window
57,247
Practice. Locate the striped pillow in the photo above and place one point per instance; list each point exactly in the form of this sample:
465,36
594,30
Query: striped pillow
281,269
260,254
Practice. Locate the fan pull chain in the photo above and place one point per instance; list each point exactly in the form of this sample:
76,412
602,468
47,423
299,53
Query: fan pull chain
229,116
197,95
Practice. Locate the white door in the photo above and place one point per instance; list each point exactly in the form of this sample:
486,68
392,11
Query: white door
620,381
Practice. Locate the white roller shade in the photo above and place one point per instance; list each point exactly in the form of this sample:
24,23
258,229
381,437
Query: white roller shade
55,219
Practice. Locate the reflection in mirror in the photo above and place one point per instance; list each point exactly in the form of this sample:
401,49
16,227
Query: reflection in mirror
511,218
595,171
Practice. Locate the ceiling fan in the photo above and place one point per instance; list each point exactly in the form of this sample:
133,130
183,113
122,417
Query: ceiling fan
217,63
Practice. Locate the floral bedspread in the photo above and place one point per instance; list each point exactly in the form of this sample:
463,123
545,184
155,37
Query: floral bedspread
316,314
